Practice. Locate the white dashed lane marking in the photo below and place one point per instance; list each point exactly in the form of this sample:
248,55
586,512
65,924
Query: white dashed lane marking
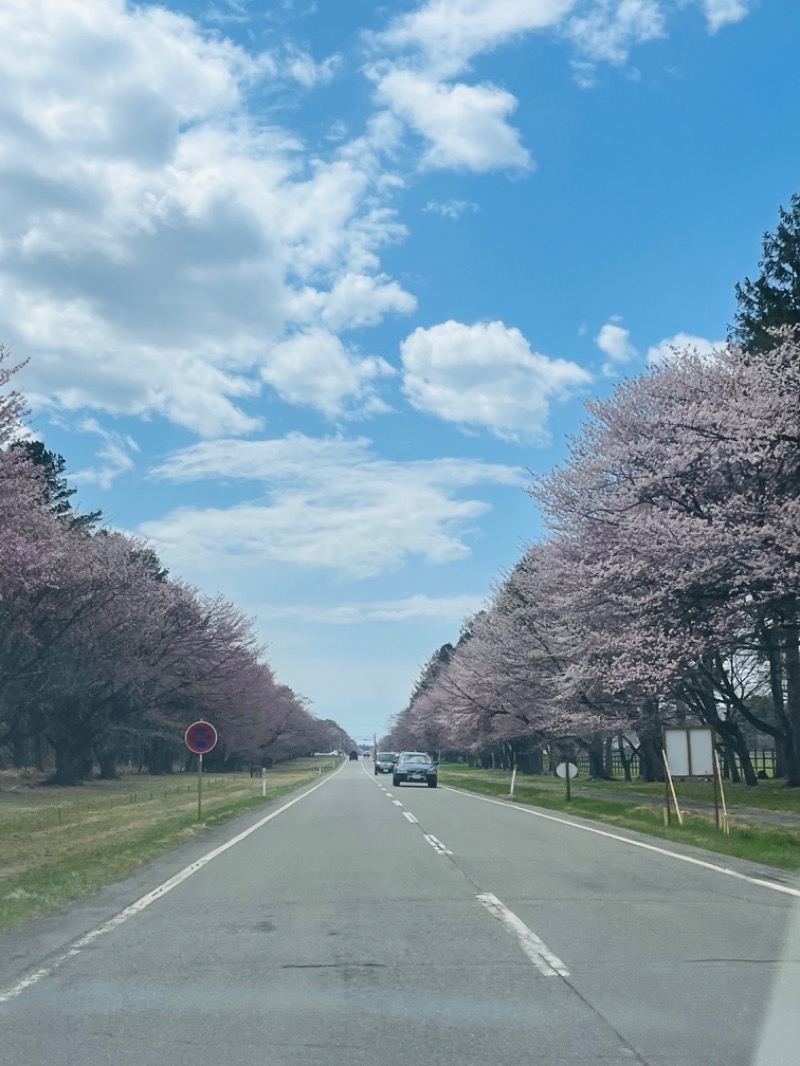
437,845
548,964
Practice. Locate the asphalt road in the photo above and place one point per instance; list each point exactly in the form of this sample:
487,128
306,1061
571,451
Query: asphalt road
368,925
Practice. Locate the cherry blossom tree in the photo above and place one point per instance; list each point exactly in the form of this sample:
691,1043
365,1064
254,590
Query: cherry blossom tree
679,509
101,653
671,570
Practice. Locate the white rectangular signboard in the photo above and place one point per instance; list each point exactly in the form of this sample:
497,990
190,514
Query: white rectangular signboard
690,751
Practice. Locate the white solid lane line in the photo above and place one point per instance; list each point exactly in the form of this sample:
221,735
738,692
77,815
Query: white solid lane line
548,964
715,867
144,901
410,817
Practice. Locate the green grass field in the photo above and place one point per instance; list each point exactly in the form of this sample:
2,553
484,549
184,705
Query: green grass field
773,846
770,795
58,844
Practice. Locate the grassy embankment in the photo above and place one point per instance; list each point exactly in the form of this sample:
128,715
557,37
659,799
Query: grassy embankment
59,844
773,845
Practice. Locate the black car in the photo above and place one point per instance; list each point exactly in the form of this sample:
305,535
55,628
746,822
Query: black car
353,756
415,766
385,762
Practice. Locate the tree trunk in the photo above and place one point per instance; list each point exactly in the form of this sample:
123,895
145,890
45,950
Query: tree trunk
731,770
739,742
20,753
71,760
791,659
160,755
729,731
597,762
530,762
651,765
780,758
623,758
608,758
38,752
783,743
108,764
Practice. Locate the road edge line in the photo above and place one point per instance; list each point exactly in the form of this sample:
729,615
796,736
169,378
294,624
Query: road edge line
150,897
713,866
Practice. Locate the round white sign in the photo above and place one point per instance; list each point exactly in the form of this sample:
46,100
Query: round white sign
567,767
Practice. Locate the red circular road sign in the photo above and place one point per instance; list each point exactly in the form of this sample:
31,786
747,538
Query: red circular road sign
200,737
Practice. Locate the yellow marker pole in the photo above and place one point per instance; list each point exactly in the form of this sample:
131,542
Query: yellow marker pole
672,788
726,825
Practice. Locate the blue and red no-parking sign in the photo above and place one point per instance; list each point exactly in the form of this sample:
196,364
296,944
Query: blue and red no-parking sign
200,737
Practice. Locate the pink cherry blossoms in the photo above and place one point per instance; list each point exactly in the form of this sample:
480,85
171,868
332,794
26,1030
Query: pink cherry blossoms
104,659
668,588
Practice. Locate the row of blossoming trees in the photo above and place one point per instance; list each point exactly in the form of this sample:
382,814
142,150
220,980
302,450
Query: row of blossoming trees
668,588
104,658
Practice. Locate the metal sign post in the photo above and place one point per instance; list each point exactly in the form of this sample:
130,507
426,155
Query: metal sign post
200,737
567,770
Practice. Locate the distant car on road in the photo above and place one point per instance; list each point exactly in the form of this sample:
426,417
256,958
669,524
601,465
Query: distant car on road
353,756
385,762
415,766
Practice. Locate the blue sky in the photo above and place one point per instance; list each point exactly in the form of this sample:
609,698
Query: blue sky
306,288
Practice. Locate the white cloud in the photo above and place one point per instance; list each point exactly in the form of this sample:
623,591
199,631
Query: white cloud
584,73
448,609
452,209
451,32
301,66
442,37
614,340
155,235
465,125
354,300
114,455
315,368
331,504
665,350
486,375
158,236
448,34
610,28
721,13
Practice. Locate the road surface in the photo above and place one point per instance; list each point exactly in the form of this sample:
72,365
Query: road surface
368,925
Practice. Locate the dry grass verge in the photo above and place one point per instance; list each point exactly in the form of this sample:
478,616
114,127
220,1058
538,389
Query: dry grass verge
58,844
